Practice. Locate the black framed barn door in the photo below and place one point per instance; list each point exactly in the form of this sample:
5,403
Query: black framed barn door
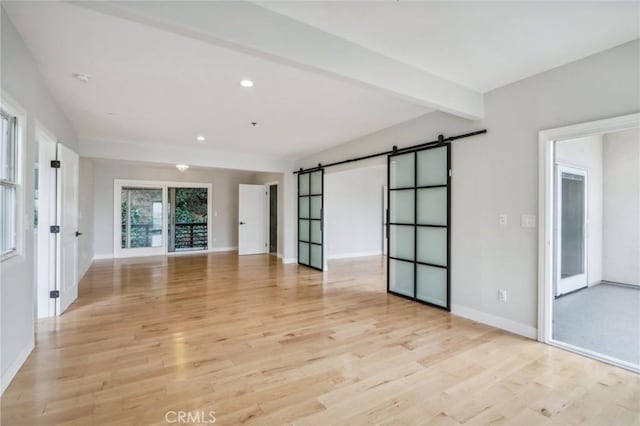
418,230
311,219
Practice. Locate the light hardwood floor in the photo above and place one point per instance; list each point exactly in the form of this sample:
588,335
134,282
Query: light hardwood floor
262,343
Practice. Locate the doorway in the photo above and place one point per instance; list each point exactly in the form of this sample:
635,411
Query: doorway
141,213
253,215
589,240
156,218
273,219
571,234
188,226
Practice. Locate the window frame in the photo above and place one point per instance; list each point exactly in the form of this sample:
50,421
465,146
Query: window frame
10,108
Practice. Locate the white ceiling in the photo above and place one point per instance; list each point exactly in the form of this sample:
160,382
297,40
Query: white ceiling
150,84
480,45
166,88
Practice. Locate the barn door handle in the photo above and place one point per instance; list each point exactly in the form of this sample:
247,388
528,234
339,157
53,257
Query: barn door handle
387,224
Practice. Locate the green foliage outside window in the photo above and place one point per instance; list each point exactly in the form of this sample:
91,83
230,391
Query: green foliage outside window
191,205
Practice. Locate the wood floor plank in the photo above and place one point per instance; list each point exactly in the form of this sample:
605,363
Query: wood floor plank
263,343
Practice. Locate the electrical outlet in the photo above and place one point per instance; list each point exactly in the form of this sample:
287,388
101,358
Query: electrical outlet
502,295
502,219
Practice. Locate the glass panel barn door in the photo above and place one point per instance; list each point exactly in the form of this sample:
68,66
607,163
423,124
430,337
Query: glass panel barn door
418,225
310,219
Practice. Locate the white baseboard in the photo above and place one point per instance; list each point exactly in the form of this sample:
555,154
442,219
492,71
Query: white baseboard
85,268
103,256
358,254
217,249
11,372
286,261
495,321
181,253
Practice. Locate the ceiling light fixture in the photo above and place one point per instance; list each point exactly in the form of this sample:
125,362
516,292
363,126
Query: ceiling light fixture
246,83
200,138
82,77
182,167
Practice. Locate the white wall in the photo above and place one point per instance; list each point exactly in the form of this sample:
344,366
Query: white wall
586,153
225,197
498,173
353,211
21,80
622,207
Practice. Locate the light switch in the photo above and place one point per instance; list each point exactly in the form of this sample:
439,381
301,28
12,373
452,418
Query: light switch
502,219
528,221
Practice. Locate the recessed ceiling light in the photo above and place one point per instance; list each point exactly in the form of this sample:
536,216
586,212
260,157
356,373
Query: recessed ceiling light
246,83
82,77
200,138
182,167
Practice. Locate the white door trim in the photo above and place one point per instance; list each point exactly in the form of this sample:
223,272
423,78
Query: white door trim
546,209
119,252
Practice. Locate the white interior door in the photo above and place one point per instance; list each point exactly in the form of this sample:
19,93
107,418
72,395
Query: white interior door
46,259
67,240
253,214
571,229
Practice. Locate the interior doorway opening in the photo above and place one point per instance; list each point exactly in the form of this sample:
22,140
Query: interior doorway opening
590,239
354,212
273,219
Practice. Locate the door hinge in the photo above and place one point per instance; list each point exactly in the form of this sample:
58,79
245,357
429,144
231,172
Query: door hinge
55,229
54,294
55,164
450,173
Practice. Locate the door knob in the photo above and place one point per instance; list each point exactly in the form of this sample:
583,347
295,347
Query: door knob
78,233
242,223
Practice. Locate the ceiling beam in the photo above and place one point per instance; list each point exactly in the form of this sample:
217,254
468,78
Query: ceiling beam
254,30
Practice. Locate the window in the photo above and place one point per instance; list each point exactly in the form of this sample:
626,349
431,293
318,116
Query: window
8,185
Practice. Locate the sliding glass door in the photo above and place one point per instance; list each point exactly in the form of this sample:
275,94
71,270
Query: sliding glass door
188,227
155,218
310,219
418,225
141,220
